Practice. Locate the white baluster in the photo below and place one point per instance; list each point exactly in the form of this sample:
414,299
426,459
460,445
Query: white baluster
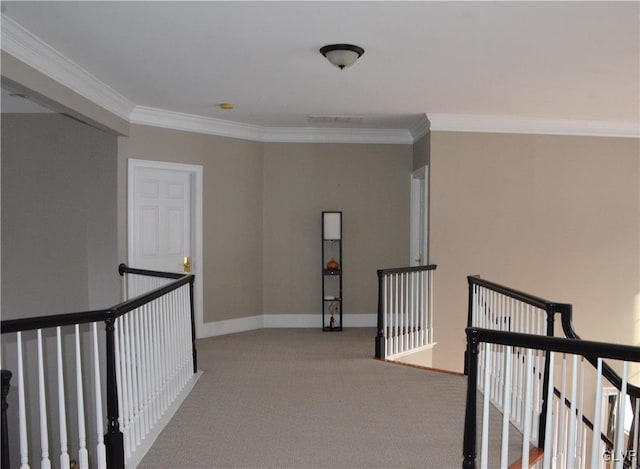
560,456
636,422
22,420
156,343
64,454
139,369
506,411
180,311
133,370
424,308
123,405
45,463
401,312
101,455
170,325
580,449
428,301
619,449
146,368
173,363
484,452
414,309
420,308
186,344
83,455
385,312
526,432
395,309
597,417
548,450
571,443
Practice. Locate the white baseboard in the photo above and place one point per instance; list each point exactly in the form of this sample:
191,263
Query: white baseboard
231,326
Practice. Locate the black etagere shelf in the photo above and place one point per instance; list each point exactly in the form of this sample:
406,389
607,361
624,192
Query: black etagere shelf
331,271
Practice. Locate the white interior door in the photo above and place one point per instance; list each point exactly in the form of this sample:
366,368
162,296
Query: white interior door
419,242
162,225
165,220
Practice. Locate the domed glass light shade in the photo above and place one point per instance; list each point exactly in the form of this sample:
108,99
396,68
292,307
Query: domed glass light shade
342,55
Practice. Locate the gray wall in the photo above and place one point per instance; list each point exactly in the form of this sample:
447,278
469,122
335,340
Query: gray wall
555,216
370,184
59,244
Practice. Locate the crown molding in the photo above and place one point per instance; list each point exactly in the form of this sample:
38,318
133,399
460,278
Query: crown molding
31,50
334,135
518,125
192,123
208,125
421,128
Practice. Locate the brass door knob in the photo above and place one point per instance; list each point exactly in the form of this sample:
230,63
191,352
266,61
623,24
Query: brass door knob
187,264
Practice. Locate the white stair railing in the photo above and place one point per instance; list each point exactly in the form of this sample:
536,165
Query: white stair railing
144,359
495,307
572,440
154,363
405,311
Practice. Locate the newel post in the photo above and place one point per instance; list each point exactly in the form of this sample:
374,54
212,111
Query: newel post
380,339
113,439
550,310
471,299
6,378
469,442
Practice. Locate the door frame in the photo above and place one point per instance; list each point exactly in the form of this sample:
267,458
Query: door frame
419,180
196,176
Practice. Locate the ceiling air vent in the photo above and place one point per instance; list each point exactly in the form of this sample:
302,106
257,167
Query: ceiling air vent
320,119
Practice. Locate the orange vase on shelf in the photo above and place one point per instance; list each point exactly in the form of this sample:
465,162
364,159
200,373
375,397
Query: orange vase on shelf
333,264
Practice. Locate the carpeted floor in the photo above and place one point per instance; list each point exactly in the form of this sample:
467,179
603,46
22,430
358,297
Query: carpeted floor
301,398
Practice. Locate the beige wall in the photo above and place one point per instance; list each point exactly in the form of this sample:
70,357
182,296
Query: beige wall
232,212
555,216
59,238
369,184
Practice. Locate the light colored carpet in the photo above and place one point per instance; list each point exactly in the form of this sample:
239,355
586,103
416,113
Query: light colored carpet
301,398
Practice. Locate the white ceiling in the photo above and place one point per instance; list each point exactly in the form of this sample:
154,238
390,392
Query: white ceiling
533,61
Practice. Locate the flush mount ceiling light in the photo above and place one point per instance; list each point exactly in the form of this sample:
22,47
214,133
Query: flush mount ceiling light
342,55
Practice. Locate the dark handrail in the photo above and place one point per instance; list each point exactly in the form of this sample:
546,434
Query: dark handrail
585,348
55,320
124,269
380,336
516,294
402,270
